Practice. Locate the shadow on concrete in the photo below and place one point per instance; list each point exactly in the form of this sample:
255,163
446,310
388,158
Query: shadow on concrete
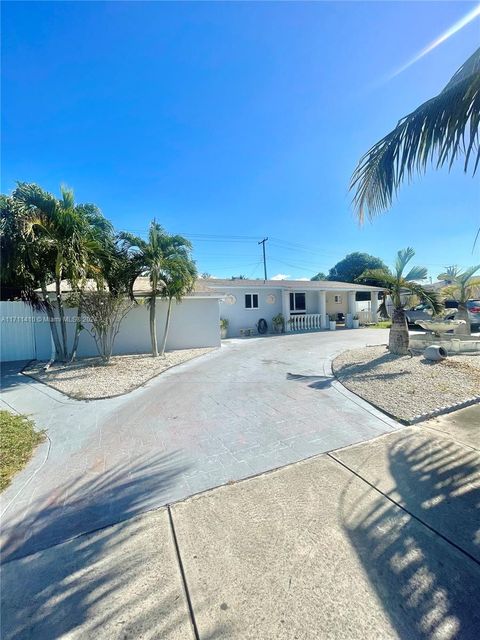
316,382
92,501
100,578
10,374
428,587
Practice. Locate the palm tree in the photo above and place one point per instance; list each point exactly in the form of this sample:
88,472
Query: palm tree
70,235
462,287
396,285
442,128
179,280
156,255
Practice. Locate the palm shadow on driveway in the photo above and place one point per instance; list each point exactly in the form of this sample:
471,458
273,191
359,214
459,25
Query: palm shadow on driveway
65,569
428,586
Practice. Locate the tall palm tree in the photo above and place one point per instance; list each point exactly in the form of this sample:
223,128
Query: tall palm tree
462,287
70,234
440,130
178,280
157,255
396,285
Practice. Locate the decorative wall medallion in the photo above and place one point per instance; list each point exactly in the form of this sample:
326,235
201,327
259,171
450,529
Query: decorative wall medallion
230,299
271,298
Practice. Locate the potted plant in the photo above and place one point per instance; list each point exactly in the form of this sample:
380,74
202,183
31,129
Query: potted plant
278,323
355,322
223,328
333,321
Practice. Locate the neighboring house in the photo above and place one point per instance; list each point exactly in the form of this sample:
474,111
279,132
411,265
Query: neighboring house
305,305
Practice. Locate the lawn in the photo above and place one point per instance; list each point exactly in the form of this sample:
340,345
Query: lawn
18,439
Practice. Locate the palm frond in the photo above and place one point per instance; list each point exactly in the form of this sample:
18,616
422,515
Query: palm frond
425,295
403,258
465,276
384,278
417,273
441,128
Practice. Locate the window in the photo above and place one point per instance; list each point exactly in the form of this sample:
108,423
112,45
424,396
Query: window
251,301
298,302
338,299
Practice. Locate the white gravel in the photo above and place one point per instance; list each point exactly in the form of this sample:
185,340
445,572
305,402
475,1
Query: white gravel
89,378
406,386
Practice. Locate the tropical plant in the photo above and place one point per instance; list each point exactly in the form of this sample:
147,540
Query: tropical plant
104,313
178,281
462,287
224,323
165,259
63,241
441,129
396,284
450,274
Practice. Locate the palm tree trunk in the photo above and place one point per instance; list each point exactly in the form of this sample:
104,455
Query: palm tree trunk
167,325
153,325
61,313
462,314
51,319
398,340
73,354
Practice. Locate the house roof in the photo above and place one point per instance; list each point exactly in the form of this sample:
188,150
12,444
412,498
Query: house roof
303,285
141,287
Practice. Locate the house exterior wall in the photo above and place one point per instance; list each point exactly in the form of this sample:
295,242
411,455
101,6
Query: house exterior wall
194,323
336,307
241,318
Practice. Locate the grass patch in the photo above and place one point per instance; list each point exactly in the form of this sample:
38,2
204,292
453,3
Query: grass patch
383,324
18,439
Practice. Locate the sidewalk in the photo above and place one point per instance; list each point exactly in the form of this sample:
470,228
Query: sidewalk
378,540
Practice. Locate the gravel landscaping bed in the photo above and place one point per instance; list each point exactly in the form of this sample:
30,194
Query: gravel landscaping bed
407,387
89,378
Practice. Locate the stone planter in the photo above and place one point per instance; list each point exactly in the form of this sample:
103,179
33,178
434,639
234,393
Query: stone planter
278,328
355,324
223,333
332,325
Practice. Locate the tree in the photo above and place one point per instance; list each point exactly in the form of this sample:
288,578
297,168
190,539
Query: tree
156,257
206,276
441,129
353,266
178,280
62,241
104,312
461,288
450,274
320,276
396,284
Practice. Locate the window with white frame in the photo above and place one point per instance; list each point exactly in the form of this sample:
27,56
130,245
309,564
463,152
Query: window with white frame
251,301
338,299
298,302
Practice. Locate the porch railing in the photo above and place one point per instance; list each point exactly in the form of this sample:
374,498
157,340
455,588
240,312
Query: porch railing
305,322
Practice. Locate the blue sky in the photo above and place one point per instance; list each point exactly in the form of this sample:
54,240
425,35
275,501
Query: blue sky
235,120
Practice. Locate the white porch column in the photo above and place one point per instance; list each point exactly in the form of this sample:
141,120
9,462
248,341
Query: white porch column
351,309
374,305
286,309
322,309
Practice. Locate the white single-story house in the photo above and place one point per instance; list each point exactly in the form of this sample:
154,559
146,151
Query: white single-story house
304,305
25,333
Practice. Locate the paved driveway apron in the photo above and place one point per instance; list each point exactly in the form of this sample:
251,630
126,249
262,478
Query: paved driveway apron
252,406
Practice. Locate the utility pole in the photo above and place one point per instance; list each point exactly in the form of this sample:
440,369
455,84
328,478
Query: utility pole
262,242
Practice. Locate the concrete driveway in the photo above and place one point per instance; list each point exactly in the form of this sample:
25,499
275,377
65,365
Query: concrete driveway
375,541
250,407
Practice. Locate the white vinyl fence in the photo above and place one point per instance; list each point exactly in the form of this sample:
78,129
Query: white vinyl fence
25,333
